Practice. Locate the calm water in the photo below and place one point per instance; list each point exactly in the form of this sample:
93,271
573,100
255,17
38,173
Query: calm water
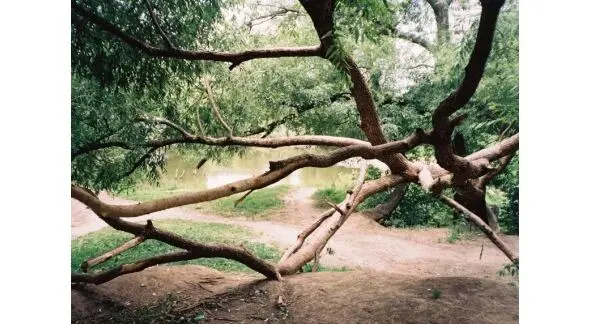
181,174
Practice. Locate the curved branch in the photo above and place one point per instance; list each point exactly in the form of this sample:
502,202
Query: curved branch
475,68
370,122
235,58
107,275
492,153
214,106
164,121
442,126
197,249
504,162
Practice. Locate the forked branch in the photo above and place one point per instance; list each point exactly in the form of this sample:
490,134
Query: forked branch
442,126
193,250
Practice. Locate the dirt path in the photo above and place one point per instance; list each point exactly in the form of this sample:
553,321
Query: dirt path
360,244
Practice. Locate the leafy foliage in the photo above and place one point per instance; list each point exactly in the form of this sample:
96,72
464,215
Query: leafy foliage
113,85
98,55
509,218
510,269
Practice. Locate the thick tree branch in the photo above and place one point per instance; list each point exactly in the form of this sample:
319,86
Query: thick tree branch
104,276
234,58
274,142
309,230
196,249
503,163
296,256
278,170
492,153
442,126
485,228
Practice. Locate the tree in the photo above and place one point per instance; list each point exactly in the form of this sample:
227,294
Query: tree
122,123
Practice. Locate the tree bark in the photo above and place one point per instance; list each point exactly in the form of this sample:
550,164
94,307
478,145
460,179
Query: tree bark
98,260
441,11
387,208
493,220
485,228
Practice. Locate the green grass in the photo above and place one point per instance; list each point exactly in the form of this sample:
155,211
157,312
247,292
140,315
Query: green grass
435,293
460,231
308,268
259,204
99,242
146,193
334,195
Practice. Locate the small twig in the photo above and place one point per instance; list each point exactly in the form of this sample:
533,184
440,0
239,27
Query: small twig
337,208
203,287
105,257
201,163
164,121
158,27
199,125
237,202
481,250
214,106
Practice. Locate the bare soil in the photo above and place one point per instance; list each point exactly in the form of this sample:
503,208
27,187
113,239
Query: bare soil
325,297
396,269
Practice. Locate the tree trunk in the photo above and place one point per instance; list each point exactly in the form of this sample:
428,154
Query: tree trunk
492,213
387,208
441,11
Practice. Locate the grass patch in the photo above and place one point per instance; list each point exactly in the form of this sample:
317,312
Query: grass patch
308,268
334,195
146,193
99,242
435,293
460,231
260,203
